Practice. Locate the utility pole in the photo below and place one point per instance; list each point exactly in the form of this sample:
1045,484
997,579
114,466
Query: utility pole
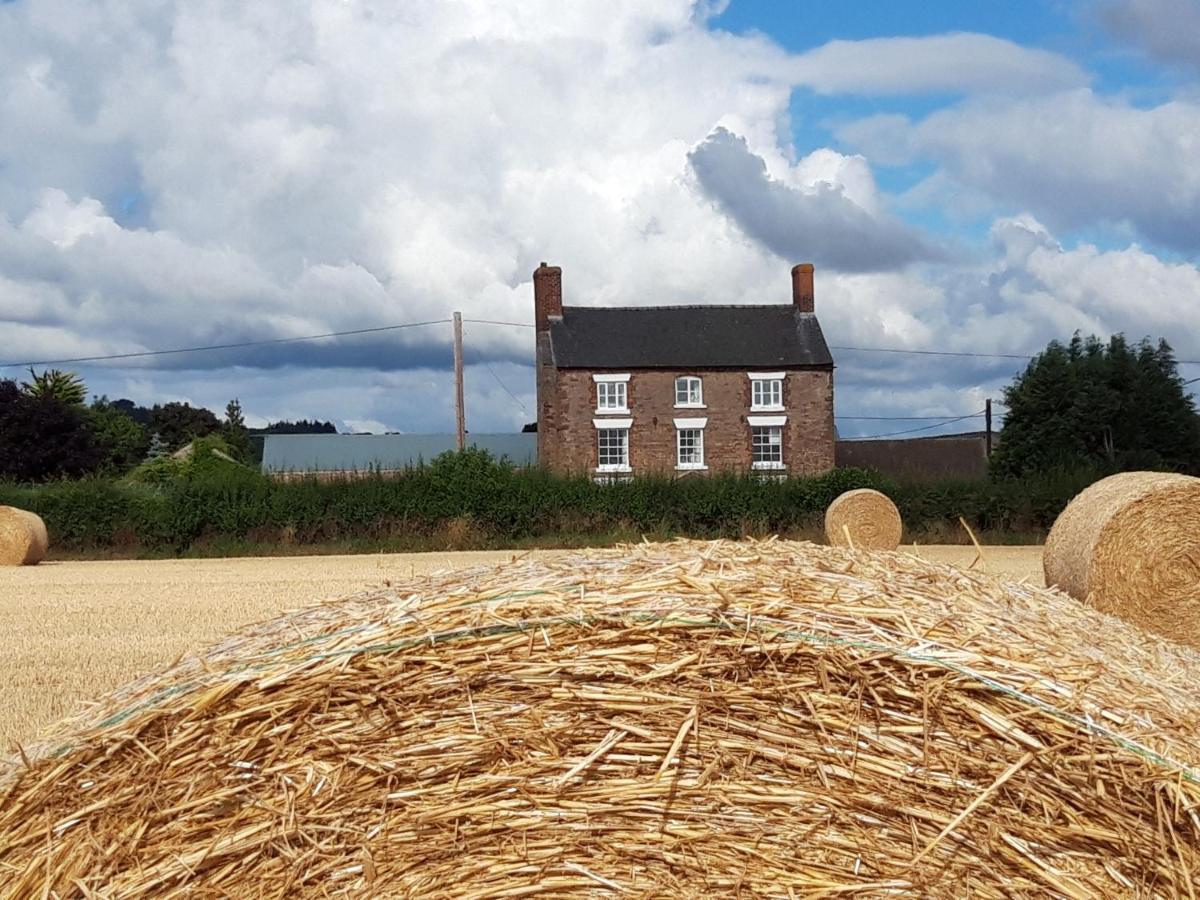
987,418
460,415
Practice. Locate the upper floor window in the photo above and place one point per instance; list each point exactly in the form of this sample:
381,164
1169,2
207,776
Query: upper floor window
688,391
766,391
612,395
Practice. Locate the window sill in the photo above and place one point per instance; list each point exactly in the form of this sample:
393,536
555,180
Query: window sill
613,470
692,467
758,409
768,466
623,411
690,406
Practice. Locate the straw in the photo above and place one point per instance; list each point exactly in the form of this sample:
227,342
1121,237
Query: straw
23,538
758,718
863,519
1130,544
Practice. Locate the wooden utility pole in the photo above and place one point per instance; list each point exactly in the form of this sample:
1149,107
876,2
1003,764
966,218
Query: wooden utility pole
987,419
460,415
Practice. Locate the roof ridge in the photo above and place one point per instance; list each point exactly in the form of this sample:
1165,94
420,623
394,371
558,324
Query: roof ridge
688,306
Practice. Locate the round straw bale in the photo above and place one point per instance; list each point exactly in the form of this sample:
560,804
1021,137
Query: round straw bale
23,539
40,534
872,520
763,718
1130,544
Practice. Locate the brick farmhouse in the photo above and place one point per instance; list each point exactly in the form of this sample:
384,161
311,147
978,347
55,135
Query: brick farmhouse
682,389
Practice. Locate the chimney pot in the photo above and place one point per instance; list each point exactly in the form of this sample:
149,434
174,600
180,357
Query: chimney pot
547,295
802,288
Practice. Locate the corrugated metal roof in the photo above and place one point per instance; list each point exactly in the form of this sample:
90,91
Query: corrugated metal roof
687,337
360,452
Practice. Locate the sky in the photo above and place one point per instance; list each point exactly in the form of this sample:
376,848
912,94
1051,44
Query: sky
970,178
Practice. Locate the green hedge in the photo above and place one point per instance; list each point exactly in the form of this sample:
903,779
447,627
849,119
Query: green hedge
470,490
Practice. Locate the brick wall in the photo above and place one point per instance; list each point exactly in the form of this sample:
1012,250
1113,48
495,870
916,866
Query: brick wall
567,405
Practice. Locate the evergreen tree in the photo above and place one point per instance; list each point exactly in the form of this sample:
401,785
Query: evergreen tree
158,448
234,429
1111,406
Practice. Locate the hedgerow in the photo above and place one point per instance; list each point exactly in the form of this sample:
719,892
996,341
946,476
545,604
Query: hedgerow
502,503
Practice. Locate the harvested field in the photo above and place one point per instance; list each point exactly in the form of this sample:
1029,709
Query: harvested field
74,630
764,718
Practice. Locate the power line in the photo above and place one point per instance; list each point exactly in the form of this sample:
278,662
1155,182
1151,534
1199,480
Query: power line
965,354
956,353
495,322
869,437
262,343
889,418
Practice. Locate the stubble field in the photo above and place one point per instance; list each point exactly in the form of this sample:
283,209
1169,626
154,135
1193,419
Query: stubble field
75,630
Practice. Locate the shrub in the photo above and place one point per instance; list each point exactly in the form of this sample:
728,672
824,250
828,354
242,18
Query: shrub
471,499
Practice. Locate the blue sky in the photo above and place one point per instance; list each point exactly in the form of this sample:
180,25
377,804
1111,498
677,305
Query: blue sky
980,178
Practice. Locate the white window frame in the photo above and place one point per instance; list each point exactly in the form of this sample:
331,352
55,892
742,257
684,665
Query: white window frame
682,425
690,404
771,423
757,379
602,425
604,380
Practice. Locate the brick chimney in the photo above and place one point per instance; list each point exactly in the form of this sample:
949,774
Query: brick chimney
547,295
802,287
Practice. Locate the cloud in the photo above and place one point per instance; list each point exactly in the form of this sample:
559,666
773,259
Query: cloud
814,221
1167,30
185,174
1075,159
943,63
179,174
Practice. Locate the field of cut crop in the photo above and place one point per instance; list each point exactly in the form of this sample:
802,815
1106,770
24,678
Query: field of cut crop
74,630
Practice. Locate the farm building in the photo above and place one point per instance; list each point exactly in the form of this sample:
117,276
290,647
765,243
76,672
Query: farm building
335,455
683,389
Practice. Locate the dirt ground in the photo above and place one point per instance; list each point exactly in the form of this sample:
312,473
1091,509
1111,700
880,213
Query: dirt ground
75,630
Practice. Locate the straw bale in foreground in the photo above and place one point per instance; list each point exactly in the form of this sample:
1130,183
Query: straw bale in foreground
670,720
23,538
869,517
1130,544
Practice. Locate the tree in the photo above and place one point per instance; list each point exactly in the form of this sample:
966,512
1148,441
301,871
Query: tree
41,437
139,414
66,387
1110,406
234,429
303,426
122,440
178,424
158,448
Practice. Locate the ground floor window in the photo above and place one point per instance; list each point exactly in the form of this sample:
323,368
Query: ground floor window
613,449
766,443
690,448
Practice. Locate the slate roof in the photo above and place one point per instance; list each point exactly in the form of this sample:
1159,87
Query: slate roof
687,337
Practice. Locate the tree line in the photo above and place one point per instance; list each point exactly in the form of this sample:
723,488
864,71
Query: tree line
48,430
1087,404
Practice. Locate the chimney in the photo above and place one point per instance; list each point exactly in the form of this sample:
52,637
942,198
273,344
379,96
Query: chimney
802,287
547,295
